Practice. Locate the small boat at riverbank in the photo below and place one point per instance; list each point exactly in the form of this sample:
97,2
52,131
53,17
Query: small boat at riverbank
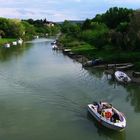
107,115
136,74
36,36
14,43
95,62
122,77
66,50
7,45
20,41
125,67
54,42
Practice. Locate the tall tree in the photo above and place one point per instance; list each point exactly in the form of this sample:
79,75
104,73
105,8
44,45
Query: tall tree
114,16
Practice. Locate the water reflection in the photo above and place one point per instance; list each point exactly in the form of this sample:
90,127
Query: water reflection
103,76
15,51
134,96
97,72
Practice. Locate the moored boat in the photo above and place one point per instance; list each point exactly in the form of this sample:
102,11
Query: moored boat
54,42
66,50
95,62
122,77
7,45
107,115
20,41
136,74
125,67
14,43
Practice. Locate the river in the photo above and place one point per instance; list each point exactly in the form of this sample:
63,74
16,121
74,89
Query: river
44,95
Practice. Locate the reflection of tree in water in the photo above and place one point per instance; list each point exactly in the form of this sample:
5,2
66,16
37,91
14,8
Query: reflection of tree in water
100,74
7,53
94,71
105,132
134,96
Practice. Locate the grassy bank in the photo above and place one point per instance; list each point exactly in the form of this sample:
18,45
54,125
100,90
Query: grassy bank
6,40
108,55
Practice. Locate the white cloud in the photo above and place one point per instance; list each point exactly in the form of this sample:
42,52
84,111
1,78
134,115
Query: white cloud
78,0
122,1
5,12
57,10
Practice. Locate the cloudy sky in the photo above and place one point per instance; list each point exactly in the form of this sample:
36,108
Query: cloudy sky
59,10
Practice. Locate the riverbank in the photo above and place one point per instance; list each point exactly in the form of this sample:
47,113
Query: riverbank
83,52
108,55
6,40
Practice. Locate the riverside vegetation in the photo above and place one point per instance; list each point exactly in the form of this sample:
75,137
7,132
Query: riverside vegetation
11,29
113,36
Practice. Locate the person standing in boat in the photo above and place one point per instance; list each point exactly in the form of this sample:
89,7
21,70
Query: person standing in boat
100,107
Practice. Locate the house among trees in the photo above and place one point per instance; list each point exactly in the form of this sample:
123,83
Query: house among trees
49,24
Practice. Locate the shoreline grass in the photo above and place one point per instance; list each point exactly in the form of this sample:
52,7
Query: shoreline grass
6,40
109,55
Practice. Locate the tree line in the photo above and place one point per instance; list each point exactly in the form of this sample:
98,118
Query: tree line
117,28
15,28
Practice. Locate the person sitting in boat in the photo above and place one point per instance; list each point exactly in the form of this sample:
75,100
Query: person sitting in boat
115,117
106,106
103,113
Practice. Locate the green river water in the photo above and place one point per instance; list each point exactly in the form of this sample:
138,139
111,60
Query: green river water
44,96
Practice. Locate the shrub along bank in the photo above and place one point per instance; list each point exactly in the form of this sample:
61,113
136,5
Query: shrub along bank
113,36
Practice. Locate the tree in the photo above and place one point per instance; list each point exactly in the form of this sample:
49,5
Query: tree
2,34
29,30
11,27
134,31
96,35
86,24
114,16
70,28
16,28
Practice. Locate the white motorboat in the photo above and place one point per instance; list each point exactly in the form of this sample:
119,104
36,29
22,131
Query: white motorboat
108,116
122,77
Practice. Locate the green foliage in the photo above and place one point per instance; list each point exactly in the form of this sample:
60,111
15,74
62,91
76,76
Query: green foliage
133,33
6,40
96,35
114,16
83,48
137,66
2,34
44,27
115,36
123,27
29,30
86,24
69,41
70,28
11,28
14,28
